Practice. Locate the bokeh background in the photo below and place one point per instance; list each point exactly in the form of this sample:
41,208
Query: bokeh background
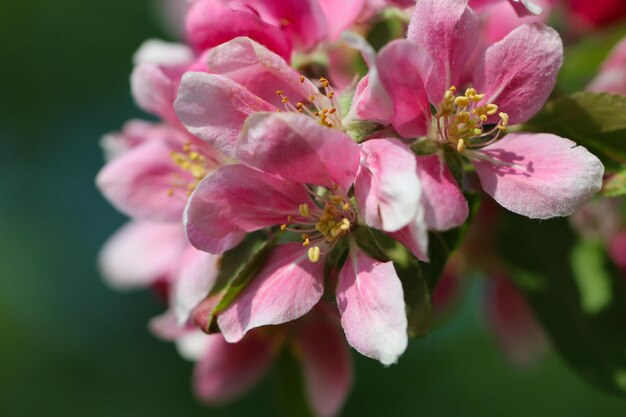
70,346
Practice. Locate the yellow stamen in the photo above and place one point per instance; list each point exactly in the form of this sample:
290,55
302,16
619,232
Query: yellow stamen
304,210
314,254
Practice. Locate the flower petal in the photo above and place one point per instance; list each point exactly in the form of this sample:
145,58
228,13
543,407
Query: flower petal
286,288
539,175
211,22
154,91
236,199
448,32
340,15
302,21
519,72
297,148
517,331
325,360
227,370
138,183
214,108
194,280
141,253
414,237
158,52
259,70
403,66
386,188
444,204
371,303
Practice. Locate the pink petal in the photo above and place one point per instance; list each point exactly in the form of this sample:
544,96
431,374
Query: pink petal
138,183
166,327
386,188
297,148
403,66
612,76
141,253
519,72
340,15
325,361
259,70
158,52
444,204
501,19
194,280
154,91
371,303
236,199
228,370
539,175
134,133
212,22
414,237
214,108
513,324
448,32
287,287
302,21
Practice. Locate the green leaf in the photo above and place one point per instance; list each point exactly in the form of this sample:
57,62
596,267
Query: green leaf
575,292
291,390
615,186
594,120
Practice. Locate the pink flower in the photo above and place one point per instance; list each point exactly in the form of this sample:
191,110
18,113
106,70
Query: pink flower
295,175
612,76
536,175
224,371
278,25
154,167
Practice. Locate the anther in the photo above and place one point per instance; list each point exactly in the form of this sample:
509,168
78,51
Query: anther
460,146
283,227
304,210
314,254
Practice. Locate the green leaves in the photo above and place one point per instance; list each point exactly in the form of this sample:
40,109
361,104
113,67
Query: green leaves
594,120
575,292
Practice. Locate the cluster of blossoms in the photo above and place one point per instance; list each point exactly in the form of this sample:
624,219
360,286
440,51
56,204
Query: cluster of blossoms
251,152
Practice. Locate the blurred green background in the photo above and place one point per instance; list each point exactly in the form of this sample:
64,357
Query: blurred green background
72,347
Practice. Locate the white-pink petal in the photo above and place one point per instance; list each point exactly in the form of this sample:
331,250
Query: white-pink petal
539,175
142,253
386,188
371,302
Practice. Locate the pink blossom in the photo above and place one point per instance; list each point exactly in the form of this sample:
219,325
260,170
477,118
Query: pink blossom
612,76
536,175
296,173
281,26
224,371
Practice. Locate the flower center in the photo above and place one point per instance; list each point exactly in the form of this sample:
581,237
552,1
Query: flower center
324,224
460,120
321,107
193,162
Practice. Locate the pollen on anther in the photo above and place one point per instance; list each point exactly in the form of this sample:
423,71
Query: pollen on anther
314,254
283,227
